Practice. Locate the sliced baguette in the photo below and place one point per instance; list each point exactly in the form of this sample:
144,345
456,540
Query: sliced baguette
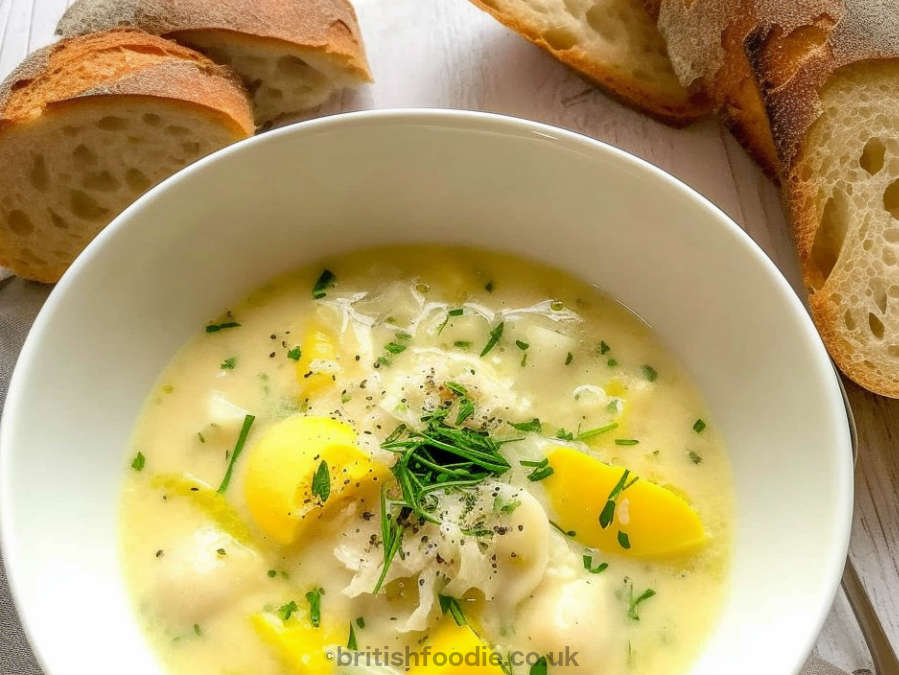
706,43
613,42
834,117
291,55
87,125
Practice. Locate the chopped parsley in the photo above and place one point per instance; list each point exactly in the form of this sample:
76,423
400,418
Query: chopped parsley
533,425
699,426
229,363
456,312
623,540
453,312
588,565
694,457
569,358
521,345
325,281
626,441
564,435
286,611
238,448
271,574
360,621
321,482
139,461
603,347
216,327
201,437
449,605
462,344
612,363
314,598
495,334
501,505
650,373
295,353
395,347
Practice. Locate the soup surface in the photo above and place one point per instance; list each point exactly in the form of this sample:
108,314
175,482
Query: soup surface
412,456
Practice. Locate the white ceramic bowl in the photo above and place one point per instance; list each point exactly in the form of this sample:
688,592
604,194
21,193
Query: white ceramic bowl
211,233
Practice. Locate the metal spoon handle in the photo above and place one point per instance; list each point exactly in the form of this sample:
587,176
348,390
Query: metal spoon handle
882,653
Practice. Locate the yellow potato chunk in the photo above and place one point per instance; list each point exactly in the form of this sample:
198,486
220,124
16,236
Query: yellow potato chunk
280,470
317,363
648,520
461,652
207,500
302,647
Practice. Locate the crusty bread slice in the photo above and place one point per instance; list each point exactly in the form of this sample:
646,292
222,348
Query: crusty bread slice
613,42
834,117
87,125
706,43
291,55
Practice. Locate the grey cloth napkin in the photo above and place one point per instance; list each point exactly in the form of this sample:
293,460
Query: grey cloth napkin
20,302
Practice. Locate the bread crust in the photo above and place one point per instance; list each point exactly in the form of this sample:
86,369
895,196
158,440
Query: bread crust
706,41
329,26
677,112
792,70
127,62
98,73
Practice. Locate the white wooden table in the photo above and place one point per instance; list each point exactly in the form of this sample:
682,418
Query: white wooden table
446,53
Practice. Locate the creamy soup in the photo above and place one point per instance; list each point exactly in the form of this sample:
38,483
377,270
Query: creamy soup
405,458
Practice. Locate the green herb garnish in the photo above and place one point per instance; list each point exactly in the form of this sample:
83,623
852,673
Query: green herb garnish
533,425
285,611
395,347
564,435
521,345
351,640
603,347
391,538
623,540
694,457
588,565
272,574
229,363
500,505
569,358
360,621
238,448
699,426
325,281
542,469
626,441
466,410
139,461
314,598
295,353
608,511
612,363
489,286
634,602
562,530
591,433
462,344
449,605
650,373
495,334
197,630
321,482
456,388
539,667
216,327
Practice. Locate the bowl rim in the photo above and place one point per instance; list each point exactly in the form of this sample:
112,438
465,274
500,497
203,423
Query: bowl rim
471,120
